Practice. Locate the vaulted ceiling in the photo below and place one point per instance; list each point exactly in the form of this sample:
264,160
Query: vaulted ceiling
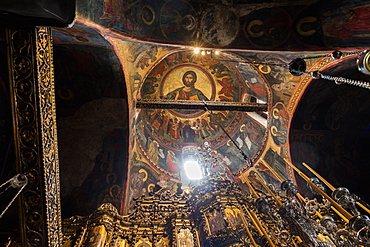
118,52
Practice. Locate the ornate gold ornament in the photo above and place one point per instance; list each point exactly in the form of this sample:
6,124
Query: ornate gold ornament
218,212
35,137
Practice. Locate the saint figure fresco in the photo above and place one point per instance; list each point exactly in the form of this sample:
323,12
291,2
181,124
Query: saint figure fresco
188,92
185,238
215,221
136,185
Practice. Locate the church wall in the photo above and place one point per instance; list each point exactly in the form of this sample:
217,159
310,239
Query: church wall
92,120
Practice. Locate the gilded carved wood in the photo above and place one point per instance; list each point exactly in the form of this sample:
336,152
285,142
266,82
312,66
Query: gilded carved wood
34,123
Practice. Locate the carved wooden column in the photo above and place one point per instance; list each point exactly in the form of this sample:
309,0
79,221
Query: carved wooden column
30,56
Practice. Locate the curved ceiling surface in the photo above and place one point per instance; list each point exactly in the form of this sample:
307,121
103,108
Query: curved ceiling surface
98,69
268,25
163,134
155,71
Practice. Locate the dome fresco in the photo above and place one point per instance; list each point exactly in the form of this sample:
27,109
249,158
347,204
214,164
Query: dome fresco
117,53
155,137
162,134
113,42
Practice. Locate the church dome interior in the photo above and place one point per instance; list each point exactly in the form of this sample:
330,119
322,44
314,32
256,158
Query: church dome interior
262,94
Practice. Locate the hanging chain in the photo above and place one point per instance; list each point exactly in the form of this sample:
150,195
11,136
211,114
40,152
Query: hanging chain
246,158
2,192
6,187
3,212
341,80
298,66
19,181
345,54
337,54
318,56
6,183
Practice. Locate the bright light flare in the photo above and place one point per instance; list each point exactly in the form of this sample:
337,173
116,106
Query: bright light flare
192,170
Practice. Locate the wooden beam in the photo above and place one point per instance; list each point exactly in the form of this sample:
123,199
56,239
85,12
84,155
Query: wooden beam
201,105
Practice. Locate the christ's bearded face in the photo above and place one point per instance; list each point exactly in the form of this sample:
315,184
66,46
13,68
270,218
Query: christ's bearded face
188,80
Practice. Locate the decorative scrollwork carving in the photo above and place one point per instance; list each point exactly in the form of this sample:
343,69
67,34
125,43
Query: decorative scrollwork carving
32,84
45,73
